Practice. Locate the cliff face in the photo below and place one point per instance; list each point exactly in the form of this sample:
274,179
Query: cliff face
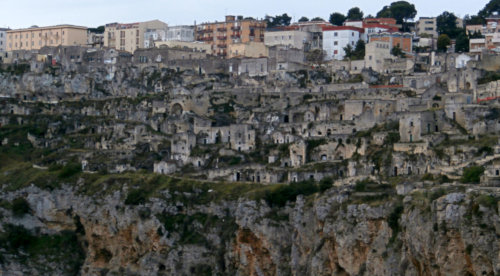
449,231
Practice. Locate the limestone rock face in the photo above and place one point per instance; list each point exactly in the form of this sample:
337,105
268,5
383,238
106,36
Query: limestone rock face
325,234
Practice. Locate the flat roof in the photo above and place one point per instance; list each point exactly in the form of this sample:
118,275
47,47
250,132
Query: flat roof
49,27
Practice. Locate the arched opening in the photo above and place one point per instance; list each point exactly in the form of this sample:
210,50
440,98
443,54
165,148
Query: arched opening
395,171
238,176
285,119
177,109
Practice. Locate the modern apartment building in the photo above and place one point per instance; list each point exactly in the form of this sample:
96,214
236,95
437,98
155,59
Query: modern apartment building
336,38
35,38
428,26
3,39
130,37
180,33
491,33
233,30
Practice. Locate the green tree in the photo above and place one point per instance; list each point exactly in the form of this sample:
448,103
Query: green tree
317,19
447,24
462,42
356,53
349,51
490,8
399,10
474,20
355,14
337,18
385,12
397,51
303,19
475,34
443,42
278,20
98,30
359,50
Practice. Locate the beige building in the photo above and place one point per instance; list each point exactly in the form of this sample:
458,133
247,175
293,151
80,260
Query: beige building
194,45
428,26
290,36
129,37
375,54
250,50
234,30
37,37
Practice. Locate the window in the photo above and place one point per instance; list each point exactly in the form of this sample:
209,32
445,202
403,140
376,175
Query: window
335,52
335,34
335,43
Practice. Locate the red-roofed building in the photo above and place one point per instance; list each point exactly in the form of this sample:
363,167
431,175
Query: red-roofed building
374,25
336,38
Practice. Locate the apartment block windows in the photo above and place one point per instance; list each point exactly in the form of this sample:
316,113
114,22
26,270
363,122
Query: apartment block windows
122,34
335,34
335,43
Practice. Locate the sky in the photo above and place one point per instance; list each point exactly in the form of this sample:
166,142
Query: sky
92,13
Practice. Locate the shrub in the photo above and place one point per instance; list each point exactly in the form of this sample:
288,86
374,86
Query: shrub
20,207
284,193
428,176
69,170
437,194
136,197
472,174
393,221
325,184
360,185
487,201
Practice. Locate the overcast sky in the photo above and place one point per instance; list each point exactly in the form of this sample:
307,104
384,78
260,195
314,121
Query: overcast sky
91,13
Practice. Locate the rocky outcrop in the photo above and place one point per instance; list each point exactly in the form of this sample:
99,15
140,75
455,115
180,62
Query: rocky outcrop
428,232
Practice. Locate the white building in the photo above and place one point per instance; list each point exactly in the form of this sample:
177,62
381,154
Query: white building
180,33
3,40
151,36
461,61
336,38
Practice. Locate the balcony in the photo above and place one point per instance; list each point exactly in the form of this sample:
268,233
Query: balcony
222,29
235,36
204,31
222,37
209,38
221,46
236,28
